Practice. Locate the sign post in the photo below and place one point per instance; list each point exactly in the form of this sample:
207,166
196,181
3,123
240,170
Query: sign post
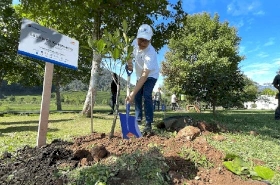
51,47
45,105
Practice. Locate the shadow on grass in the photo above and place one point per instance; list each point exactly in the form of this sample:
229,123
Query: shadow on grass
23,129
32,122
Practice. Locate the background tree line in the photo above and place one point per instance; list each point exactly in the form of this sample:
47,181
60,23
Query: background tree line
104,84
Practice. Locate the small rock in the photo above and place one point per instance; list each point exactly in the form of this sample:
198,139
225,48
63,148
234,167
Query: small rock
99,152
189,132
253,133
84,162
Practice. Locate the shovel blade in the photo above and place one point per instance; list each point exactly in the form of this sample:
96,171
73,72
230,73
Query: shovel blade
129,126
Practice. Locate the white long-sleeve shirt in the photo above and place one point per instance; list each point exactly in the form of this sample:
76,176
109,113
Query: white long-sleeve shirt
145,59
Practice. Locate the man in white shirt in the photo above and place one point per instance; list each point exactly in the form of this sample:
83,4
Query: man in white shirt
173,101
147,72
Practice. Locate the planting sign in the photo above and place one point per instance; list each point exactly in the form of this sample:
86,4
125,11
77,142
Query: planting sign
48,45
52,47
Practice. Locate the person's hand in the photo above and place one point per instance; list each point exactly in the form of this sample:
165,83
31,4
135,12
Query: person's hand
129,99
130,66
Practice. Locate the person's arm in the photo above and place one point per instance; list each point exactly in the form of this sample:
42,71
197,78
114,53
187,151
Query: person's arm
275,83
139,85
276,86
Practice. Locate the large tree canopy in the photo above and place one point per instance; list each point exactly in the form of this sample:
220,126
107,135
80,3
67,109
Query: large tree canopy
9,24
82,19
86,18
250,91
203,60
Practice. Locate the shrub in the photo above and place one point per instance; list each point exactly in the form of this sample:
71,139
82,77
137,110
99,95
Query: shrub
12,98
254,106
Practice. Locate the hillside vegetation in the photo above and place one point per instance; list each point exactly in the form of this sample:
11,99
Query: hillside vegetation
71,100
76,85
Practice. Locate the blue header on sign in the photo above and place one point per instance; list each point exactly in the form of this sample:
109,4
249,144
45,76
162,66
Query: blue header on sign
46,59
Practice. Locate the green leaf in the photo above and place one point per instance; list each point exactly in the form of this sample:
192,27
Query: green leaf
86,47
237,166
254,175
125,37
110,36
125,27
116,54
231,167
117,33
264,172
100,45
90,42
129,50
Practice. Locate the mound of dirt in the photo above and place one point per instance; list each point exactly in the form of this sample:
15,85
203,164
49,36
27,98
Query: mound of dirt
41,165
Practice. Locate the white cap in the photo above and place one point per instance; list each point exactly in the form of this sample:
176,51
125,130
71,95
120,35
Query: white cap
145,31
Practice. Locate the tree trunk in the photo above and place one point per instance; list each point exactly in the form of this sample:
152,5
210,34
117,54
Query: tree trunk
1,80
58,98
94,78
116,111
214,107
95,68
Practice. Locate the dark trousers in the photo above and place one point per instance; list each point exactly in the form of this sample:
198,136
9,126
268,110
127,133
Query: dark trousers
113,101
277,111
145,93
156,103
174,105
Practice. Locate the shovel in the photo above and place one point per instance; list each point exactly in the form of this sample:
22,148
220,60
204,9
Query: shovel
128,123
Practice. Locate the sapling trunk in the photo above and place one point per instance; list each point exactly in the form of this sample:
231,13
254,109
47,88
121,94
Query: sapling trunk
116,109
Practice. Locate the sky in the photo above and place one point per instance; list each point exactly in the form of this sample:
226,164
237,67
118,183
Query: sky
257,23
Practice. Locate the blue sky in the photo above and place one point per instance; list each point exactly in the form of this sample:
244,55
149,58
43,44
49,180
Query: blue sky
258,25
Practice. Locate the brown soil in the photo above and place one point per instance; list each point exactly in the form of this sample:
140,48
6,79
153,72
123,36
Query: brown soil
40,165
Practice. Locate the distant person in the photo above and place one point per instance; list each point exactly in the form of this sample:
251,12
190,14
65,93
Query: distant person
114,90
276,84
173,101
157,99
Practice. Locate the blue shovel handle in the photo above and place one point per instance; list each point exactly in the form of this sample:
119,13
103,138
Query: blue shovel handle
127,71
127,108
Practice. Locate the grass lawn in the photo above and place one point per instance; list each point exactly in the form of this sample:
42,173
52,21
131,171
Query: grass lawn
19,130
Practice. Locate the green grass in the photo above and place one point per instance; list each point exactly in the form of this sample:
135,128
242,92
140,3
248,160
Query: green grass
17,131
70,101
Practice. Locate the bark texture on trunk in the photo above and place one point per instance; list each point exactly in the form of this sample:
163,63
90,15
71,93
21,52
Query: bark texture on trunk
94,78
95,68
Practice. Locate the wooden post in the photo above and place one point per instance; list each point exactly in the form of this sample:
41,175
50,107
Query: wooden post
45,105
